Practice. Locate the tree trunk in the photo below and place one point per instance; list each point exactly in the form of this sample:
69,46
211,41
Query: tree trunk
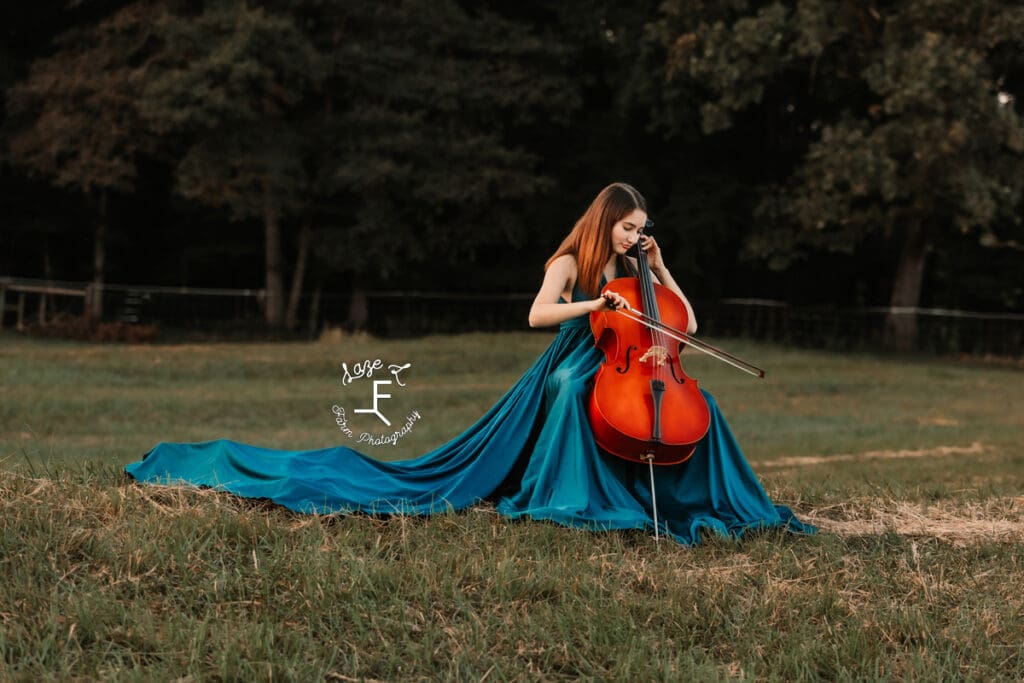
292,316
901,325
358,314
314,311
94,309
274,285
51,303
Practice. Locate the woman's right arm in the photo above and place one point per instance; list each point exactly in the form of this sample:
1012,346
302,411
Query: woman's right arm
546,310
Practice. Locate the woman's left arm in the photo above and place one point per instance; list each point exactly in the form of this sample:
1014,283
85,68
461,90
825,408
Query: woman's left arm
662,275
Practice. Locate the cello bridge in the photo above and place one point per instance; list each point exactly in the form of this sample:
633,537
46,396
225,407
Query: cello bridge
658,354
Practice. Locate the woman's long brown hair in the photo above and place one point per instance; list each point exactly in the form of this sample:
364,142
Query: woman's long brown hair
590,240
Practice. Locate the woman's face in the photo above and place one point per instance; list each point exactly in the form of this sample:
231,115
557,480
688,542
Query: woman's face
627,231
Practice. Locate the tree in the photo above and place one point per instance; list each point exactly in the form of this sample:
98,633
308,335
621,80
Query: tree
425,98
232,82
75,120
901,121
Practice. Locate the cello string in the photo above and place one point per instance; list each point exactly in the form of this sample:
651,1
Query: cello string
657,338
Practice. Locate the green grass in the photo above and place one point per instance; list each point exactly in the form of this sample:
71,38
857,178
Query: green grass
911,466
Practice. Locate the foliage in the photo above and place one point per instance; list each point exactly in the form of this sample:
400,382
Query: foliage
230,83
900,108
410,139
75,118
423,98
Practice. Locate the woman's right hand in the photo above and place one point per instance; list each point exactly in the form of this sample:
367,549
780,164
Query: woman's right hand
609,301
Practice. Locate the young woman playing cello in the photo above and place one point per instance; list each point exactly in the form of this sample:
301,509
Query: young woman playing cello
533,452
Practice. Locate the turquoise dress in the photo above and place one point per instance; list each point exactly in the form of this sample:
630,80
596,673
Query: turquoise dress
532,453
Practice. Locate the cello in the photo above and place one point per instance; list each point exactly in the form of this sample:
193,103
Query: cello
643,407
641,381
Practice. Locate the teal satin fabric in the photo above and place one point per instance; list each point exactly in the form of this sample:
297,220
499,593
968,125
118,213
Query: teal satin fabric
532,452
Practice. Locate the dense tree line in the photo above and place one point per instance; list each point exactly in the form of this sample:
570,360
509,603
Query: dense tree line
816,151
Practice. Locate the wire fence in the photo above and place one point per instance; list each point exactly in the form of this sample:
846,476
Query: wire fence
864,328
27,304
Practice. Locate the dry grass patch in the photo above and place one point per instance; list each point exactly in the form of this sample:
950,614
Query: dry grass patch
959,522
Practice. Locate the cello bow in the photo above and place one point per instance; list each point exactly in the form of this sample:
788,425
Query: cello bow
691,341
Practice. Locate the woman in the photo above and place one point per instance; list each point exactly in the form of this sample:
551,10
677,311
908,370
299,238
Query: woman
533,452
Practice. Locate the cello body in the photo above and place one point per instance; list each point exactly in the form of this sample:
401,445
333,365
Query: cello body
643,407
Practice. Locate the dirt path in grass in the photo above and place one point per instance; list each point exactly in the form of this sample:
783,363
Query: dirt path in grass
805,460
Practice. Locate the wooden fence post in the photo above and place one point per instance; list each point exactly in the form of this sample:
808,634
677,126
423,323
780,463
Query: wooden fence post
87,304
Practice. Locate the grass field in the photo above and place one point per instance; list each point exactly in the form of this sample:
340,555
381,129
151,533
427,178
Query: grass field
911,467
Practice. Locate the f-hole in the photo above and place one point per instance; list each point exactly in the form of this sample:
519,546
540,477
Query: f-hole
679,380
629,351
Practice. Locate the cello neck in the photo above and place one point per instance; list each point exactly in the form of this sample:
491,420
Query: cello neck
650,301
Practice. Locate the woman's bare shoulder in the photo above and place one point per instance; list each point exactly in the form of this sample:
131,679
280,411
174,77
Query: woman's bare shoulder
564,267
560,278
565,261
